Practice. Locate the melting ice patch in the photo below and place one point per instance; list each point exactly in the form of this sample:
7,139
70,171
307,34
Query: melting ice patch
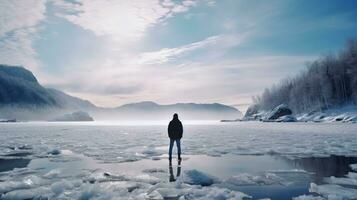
195,177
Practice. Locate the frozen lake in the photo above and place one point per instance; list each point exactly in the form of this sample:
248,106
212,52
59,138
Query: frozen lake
122,160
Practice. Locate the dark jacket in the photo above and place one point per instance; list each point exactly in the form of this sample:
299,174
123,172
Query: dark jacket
175,129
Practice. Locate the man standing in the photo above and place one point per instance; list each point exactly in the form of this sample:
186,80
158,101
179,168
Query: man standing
175,131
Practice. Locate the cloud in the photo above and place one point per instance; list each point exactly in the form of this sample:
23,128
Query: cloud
109,88
225,81
16,49
216,43
182,74
19,22
20,14
124,21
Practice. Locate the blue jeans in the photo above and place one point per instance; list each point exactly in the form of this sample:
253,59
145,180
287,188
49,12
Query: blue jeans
178,144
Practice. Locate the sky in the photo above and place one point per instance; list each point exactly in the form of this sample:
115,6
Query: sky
113,52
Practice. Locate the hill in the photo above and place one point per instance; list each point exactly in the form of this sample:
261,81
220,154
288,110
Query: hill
152,110
20,88
327,83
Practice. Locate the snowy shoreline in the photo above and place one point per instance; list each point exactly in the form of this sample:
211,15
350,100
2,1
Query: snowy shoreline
343,114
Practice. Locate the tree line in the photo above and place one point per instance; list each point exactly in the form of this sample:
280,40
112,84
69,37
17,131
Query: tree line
329,81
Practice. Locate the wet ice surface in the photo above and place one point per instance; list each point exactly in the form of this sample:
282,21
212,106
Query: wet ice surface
221,161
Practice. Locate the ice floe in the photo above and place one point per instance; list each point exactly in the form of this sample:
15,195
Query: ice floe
245,179
333,192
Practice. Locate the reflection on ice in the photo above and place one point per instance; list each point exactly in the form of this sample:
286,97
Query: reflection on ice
325,166
10,164
229,175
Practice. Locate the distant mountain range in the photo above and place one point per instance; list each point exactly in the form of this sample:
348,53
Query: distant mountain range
153,110
20,88
21,96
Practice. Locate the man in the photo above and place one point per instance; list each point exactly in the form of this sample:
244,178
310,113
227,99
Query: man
175,131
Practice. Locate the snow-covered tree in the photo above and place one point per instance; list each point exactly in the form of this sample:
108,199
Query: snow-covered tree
329,81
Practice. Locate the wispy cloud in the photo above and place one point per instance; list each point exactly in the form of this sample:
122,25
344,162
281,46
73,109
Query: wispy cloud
217,43
18,27
17,15
121,20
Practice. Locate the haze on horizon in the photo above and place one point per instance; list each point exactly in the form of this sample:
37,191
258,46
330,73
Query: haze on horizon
115,52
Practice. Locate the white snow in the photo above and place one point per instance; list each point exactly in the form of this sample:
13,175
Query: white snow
346,113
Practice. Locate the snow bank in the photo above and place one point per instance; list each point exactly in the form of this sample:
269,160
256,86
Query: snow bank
282,113
346,113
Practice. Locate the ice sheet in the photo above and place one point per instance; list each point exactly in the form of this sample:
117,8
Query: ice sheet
58,143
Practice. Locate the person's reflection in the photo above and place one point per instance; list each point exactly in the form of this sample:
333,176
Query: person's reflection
178,169
172,177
